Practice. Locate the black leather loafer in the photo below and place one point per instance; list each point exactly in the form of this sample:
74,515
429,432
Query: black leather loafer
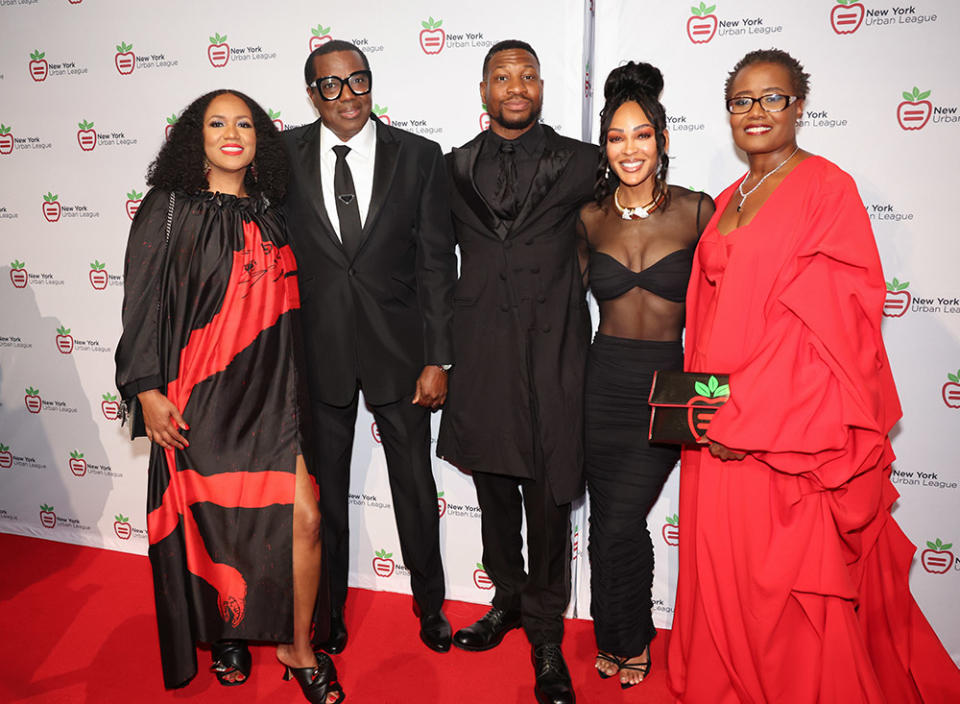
435,631
488,631
553,679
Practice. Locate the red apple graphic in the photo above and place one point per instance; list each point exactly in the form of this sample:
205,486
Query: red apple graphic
171,121
277,122
701,409
375,431
432,38
671,530
32,400
75,2
481,579
51,208
381,112
98,275
38,66
441,504
484,120
78,465
86,136
110,407
937,558
64,340
48,519
6,139
6,459
125,59
121,526
897,301
321,35
576,542
218,52
951,390
18,275
914,112
382,564
702,25
133,203
846,17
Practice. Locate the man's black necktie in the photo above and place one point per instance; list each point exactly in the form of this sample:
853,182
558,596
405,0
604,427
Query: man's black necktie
348,210
506,206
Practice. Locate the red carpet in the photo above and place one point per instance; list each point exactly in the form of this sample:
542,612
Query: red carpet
77,626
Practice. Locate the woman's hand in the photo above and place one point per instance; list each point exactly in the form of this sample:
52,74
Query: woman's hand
723,453
163,420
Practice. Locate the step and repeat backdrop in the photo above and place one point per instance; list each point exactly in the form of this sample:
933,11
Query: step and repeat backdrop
89,90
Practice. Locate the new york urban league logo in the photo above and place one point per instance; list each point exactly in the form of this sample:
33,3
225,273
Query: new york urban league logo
64,340
86,136
18,275
51,208
897,300
275,119
703,406
671,530
219,51
951,390
381,112
846,17
109,406
441,504
171,121
121,526
702,25
937,558
32,400
481,579
575,540
383,566
98,275
48,519
38,66
124,59
432,38
914,111
6,459
484,118
6,139
78,465
321,35
134,197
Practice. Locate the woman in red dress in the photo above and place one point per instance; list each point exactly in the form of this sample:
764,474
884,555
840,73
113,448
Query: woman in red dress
793,584
210,351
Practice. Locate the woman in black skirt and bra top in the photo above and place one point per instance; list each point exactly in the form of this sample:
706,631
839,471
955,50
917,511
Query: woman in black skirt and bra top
636,248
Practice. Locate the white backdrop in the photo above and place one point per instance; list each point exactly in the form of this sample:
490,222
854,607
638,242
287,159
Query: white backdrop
884,105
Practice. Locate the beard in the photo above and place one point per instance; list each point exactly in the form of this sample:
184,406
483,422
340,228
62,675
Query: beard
518,123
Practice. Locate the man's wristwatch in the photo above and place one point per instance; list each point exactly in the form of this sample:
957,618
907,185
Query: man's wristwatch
444,367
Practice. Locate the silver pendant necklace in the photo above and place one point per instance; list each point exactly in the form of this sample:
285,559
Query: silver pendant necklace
743,196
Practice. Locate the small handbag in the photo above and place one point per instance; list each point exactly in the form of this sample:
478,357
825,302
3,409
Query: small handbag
682,404
131,412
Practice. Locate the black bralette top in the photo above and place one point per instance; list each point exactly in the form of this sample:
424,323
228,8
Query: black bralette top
667,277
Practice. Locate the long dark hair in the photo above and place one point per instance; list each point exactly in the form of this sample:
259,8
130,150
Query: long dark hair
641,83
180,163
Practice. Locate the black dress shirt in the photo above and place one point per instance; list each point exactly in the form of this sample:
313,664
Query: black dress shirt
528,148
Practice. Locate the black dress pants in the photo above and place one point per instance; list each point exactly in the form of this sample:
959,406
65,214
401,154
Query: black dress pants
542,590
405,434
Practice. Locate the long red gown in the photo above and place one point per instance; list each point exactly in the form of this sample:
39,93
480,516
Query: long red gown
793,584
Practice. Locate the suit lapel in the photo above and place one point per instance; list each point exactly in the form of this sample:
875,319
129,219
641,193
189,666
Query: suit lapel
553,162
384,167
464,160
309,157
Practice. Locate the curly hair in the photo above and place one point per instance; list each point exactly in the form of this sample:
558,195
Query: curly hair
798,77
640,83
180,162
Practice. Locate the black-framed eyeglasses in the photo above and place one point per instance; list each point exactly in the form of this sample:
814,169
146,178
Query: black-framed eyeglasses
330,87
771,102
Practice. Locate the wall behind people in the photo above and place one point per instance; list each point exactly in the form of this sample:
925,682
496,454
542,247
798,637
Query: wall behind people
89,89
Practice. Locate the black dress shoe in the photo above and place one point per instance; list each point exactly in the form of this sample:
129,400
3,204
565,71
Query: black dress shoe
553,679
337,640
435,631
488,631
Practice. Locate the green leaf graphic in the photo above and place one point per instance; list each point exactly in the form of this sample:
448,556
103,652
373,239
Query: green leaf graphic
701,388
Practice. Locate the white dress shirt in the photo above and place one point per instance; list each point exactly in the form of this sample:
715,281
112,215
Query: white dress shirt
363,152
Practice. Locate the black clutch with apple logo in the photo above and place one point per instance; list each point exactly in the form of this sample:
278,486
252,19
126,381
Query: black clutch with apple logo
682,404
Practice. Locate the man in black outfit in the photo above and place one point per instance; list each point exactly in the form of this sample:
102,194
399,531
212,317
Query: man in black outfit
514,411
369,221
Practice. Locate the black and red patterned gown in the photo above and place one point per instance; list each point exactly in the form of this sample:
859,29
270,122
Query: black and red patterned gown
214,325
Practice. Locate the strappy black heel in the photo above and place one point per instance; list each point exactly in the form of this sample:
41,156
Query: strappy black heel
317,683
230,655
622,664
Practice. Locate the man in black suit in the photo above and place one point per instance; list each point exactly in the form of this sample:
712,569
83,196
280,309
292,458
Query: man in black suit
513,415
368,215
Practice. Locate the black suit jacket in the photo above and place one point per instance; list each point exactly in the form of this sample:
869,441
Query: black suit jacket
380,317
521,326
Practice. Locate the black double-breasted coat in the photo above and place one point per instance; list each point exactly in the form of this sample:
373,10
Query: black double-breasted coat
521,325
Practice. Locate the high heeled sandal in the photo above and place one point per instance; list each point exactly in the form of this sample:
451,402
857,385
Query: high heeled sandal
230,656
317,683
612,659
642,667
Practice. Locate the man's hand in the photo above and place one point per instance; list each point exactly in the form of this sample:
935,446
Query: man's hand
431,387
723,453
163,420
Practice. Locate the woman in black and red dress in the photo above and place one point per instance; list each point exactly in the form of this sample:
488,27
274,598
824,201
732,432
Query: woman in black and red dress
209,350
